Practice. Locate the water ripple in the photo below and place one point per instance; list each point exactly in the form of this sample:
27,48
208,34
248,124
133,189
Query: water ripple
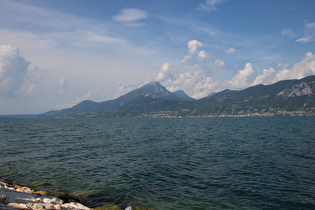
189,163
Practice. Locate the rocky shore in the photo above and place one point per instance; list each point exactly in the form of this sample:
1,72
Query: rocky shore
13,196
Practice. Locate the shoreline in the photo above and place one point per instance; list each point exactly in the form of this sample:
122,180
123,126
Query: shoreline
14,196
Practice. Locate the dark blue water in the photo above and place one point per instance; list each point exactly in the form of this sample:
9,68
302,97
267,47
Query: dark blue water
187,163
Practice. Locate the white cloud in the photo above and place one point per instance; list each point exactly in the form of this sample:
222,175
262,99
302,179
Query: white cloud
194,82
164,72
131,16
192,49
191,79
202,55
14,70
165,67
198,80
210,5
305,67
241,78
219,63
309,33
193,45
265,77
230,50
305,39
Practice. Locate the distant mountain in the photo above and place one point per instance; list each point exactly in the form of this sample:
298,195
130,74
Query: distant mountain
19,116
289,97
29,116
181,94
153,90
208,96
146,105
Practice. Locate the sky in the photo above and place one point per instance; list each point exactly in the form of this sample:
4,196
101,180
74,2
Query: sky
55,53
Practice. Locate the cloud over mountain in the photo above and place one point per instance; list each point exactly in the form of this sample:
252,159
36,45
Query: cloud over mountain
264,78
199,77
301,69
193,76
241,78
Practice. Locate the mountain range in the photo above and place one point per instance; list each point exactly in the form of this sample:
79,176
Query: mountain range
287,97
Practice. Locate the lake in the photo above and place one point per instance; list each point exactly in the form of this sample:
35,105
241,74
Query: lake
166,163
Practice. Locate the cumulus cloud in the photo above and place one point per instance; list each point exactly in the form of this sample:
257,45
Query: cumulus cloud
14,70
309,33
265,77
199,79
210,5
192,49
193,45
164,72
193,81
230,50
131,16
241,78
219,63
305,67
202,55
192,77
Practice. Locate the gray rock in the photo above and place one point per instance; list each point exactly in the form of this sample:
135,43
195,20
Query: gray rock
4,199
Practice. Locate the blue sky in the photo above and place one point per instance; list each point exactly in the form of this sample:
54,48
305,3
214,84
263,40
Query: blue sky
54,54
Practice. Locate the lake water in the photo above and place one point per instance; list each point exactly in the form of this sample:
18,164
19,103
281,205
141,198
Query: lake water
178,163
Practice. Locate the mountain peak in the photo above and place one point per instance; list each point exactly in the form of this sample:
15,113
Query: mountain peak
156,83
181,94
154,90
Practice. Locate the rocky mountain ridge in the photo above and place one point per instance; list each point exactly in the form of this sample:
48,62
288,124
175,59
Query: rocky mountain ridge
300,89
289,97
